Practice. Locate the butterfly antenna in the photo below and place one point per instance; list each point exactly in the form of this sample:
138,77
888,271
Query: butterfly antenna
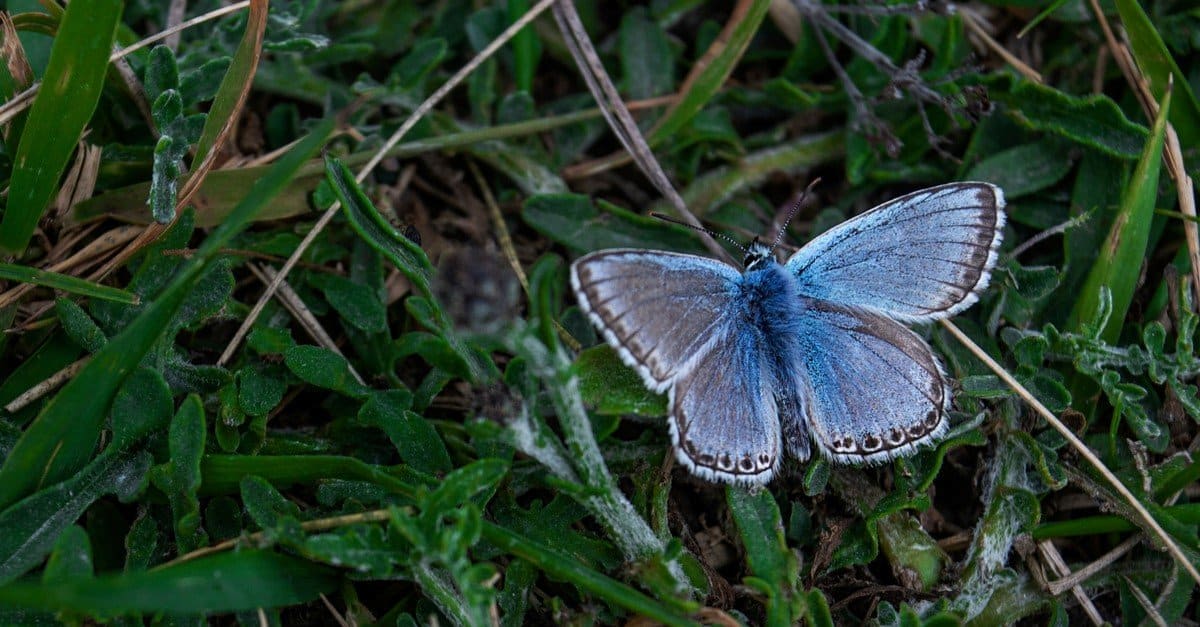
666,218
792,213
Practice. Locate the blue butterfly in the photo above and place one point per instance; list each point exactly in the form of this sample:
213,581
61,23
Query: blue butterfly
811,352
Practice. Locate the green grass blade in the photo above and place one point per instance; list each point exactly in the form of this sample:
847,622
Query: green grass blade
63,437
1157,64
773,566
567,568
230,94
408,257
66,283
30,528
69,94
227,582
700,88
1120,261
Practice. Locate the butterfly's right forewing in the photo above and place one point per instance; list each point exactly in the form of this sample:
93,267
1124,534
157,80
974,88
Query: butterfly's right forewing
658,310
924,256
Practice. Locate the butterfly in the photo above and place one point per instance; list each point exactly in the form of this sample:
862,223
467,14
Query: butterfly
812,352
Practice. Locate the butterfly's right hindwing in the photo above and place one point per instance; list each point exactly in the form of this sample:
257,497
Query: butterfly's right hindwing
875,390
658,310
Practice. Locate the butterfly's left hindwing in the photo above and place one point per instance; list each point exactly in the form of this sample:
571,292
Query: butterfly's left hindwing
657,309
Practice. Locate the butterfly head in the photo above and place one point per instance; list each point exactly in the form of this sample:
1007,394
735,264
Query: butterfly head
757,255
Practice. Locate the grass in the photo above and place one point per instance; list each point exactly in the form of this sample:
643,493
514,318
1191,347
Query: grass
333,372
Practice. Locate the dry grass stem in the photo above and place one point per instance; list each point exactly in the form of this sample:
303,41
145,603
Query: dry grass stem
1054,560
303,315
50,384
1078,445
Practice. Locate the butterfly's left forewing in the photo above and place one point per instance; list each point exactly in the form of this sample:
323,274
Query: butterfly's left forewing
657,309
874,389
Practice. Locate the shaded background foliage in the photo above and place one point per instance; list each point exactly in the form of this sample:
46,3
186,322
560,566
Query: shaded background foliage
422,423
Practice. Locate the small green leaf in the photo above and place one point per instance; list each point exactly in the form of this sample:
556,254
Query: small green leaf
366,549
413,436
141,543
611,388
266,506
1024,169
1094,121
180,478
79,326
465,483
71,557
647,64
767,554
408,257
142,406
162,73
202,83
357,304
324,368
816,609
259,390
816,476
412,69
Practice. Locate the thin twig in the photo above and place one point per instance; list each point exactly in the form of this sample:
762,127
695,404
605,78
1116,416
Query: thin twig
1076,578
321,524
175,13
1056,563
502,236
1050,232
199,19
1076,444
46,386
617,114
1151,611
970,21
295,305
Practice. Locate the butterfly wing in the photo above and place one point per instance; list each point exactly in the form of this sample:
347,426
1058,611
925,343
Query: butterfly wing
724,420
671,317
920,257
657,309
875,390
